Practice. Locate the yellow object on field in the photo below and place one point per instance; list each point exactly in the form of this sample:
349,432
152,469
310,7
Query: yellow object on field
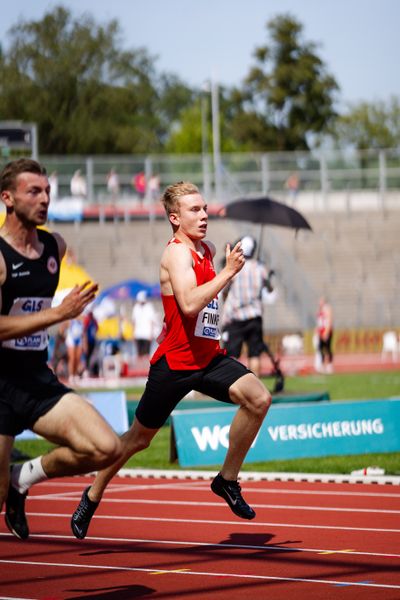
115,329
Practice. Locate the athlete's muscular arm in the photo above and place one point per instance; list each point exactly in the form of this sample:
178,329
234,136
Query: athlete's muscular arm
72,305
177,265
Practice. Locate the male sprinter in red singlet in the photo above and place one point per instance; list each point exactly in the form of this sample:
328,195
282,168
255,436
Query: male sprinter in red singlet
189,357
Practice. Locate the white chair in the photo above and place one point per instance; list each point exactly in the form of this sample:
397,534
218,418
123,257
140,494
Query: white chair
111,366
390,345
292,344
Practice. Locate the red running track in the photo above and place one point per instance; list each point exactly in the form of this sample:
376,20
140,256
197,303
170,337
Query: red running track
173,539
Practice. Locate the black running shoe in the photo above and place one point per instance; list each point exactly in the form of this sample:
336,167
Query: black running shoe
15,513
81,518
230,492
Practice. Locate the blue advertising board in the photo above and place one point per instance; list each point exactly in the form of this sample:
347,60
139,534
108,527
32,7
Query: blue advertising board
303,430
111,405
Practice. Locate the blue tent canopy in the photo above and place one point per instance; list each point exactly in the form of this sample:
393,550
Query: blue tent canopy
127,290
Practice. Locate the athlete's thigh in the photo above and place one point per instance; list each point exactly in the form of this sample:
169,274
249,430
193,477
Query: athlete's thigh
6,444
218,377
164,390
248,391
73,420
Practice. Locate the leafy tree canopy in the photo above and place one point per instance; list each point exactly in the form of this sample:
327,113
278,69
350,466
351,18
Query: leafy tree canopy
89,95
86,94
370,125
287,95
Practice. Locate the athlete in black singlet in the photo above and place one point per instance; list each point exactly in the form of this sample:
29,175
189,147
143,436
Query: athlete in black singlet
31,396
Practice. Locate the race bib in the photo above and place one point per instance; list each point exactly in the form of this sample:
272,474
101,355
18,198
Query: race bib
34,341
207,324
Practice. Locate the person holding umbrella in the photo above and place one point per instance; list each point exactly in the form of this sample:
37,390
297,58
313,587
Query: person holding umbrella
189,357
243,312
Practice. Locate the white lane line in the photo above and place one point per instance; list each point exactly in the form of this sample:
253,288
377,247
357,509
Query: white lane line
216,546
65,497
204,574
265,476
204,486
115,488
322,492
216,522
15,598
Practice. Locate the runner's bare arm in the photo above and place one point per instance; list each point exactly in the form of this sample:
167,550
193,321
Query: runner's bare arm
14,326
191,297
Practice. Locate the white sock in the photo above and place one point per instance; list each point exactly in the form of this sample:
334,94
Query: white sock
25,475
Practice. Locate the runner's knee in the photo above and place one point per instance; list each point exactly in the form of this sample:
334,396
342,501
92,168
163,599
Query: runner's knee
260,403
135,441
257,402
104,452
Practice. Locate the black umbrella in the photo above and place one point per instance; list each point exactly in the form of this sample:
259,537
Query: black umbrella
265,211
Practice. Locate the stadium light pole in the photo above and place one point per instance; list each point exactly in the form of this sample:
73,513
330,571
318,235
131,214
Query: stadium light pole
204,139
216,138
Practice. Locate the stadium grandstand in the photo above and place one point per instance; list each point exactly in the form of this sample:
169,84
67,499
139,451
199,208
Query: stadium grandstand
351,200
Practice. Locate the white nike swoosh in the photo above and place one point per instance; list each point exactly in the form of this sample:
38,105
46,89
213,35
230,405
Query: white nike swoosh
17,265
234,501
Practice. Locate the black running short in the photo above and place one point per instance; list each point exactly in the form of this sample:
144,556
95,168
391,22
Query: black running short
143,347
25,395
166,387
248,332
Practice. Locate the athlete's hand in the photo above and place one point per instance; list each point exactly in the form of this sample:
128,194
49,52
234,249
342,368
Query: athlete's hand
78,298
234,258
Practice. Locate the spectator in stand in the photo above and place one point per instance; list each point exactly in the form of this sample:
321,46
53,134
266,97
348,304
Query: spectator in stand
292,185
74,343
53,181
146,326
90,328
324,334
154,188
59,360
139,183
78,185
113,185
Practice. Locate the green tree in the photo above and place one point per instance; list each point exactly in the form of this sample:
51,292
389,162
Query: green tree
86,94
193,132
175,97
370,125
288,95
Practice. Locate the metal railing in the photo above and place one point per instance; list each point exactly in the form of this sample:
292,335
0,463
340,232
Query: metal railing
323,173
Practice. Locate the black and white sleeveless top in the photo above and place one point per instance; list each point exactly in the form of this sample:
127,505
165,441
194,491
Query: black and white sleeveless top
29,287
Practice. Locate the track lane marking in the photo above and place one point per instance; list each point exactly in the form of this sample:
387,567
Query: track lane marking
218,522
203,484
209,545
203,574
193,503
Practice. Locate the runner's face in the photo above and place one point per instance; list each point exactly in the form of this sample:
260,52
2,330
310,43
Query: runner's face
30,199
192,216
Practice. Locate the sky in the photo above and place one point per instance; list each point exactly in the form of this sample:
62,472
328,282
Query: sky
199,40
